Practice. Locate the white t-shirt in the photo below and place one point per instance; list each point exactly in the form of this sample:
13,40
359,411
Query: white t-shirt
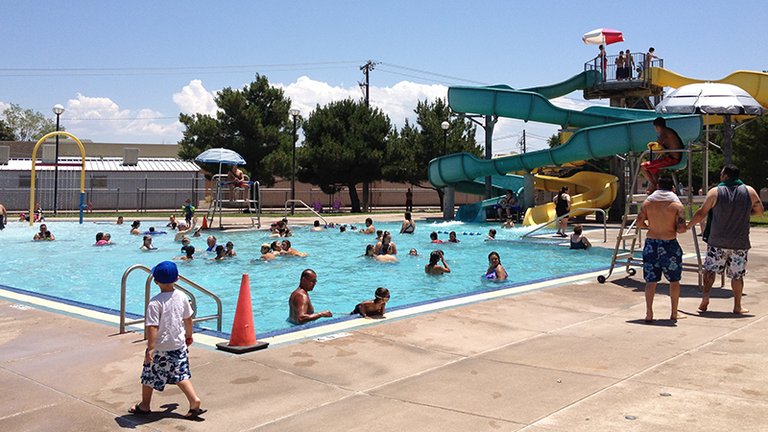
167,311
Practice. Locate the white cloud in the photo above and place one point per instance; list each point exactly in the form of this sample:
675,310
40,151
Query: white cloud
101,119
194,98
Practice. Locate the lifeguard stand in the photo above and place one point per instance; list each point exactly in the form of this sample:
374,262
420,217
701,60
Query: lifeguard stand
247,201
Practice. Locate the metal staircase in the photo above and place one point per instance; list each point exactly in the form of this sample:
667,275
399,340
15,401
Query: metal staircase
250,203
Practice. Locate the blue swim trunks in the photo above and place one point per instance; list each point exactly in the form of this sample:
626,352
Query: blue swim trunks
662,256
167,367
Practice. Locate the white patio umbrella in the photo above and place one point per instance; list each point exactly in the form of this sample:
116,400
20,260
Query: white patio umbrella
712,98
220,156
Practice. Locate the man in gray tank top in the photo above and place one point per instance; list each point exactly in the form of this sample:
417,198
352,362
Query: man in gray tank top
728,208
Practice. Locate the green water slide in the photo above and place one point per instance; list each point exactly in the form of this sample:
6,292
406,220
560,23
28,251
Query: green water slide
603,132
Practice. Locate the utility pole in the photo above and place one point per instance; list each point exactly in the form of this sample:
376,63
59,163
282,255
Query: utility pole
523,142
366,86
367,68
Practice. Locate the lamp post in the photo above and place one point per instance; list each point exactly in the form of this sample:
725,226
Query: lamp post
58,110
446,127
295,114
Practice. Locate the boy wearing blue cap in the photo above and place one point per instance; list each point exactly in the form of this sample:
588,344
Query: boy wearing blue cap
169,333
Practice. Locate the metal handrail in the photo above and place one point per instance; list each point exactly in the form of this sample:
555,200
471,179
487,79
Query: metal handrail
557,219
305,205
147,289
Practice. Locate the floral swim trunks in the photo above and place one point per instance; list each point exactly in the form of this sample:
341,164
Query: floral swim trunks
167,367
662,256
733,261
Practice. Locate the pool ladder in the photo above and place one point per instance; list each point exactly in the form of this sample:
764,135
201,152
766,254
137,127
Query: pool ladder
147,290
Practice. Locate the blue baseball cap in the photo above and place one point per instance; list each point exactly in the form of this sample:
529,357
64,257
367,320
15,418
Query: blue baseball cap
166,272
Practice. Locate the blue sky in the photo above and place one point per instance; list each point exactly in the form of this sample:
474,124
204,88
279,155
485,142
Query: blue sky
144,62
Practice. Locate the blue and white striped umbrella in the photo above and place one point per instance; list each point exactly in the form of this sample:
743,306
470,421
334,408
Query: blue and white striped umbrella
220,156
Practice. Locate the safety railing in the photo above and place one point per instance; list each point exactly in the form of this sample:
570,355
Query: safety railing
148,288
579,210
307,207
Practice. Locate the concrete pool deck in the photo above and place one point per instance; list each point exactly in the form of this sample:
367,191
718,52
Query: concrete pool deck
573,357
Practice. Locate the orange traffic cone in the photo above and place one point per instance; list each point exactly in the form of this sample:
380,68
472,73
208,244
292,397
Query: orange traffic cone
205,223
243,336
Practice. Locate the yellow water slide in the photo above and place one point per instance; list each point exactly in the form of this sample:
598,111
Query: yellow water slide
587,190
754,83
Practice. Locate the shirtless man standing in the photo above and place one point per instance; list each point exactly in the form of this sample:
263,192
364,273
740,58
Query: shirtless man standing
664,216
669,140
301,309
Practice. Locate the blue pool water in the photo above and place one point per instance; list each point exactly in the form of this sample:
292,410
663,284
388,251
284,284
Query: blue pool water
72,268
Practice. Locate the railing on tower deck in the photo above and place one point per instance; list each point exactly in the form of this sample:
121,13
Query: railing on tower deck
636,72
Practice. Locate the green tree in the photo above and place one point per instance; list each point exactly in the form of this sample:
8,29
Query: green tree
750,153
27,124
253,121
410,150
554,141
344,144
6,133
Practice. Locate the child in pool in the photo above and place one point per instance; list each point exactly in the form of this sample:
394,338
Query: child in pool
375,307
491,234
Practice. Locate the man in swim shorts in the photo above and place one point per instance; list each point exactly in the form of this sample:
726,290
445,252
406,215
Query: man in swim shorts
301,309
730,204
664,216
669,140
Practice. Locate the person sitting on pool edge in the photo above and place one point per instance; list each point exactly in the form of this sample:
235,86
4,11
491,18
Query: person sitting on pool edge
300,306
579,241
266,252
433,268
495,269
433,236
369,228
147,246
376,307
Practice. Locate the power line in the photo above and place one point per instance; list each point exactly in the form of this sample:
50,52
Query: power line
175,67
432,73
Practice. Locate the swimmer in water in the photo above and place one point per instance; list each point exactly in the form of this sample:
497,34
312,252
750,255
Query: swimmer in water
119,221
491,234
288,250
379,233
452,238
316,226
221,253
277,249
413,252
135,227
368,252
495,269
433,237
266,252
433,268
369,228
376,307
189,251
231,249
147,246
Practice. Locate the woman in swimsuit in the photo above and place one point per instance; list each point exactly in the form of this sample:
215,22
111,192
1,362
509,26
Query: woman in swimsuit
495,269
408,225
578,241
562,207
135,228
433,268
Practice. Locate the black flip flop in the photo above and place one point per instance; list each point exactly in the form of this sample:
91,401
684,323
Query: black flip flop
194,414
136,410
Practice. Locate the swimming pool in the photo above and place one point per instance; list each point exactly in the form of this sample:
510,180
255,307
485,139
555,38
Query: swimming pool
72,268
